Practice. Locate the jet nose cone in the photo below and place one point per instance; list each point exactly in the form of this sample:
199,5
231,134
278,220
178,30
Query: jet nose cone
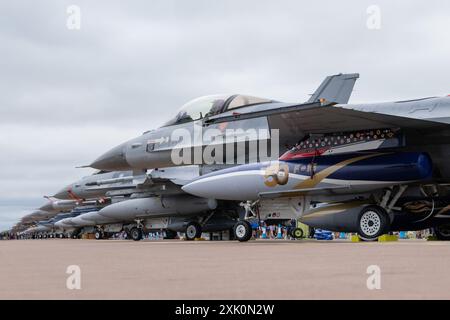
112,160
63,194
47,207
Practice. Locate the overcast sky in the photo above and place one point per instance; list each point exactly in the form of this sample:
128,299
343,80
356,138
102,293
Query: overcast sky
66,96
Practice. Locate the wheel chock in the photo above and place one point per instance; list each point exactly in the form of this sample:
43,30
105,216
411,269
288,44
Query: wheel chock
387,238
199,239
355,238
431,238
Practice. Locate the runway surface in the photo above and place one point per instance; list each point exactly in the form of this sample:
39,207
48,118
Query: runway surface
174,269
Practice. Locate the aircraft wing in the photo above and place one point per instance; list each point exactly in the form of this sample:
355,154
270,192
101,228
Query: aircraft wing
296,121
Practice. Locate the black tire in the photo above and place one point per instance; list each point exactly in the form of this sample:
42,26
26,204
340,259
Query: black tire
297,233
242,231
170,234
373,221
98,235
193,230
442,232
136,234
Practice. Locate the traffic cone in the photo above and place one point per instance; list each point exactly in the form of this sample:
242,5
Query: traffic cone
279,234
264,233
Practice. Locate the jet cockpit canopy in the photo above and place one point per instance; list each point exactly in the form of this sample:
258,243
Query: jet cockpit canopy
211,105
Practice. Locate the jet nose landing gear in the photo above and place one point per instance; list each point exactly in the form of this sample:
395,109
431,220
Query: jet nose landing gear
98,234
242,231
136,234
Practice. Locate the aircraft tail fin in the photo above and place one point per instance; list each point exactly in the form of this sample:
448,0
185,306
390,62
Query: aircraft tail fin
336,88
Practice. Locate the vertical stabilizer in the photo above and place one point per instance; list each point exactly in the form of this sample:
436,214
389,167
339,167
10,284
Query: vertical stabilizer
336,88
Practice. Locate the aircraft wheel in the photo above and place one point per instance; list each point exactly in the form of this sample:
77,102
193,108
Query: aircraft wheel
136,234
442,232
98,235
297,233
373,221
242,231
193,230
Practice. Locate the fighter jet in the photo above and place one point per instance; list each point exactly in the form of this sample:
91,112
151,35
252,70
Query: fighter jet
34,223
365,164
387,174
231,113
160,201
97,185
71,223
57,205
128,202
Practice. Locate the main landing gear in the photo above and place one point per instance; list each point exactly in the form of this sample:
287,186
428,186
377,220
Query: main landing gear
442,232
373,221
193,230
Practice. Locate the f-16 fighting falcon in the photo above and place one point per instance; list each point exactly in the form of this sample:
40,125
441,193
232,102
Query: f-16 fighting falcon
366,168
114,192
157,201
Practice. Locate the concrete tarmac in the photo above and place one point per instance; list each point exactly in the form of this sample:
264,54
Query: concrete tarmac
272,269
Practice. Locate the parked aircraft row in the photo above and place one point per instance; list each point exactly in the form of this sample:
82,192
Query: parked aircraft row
365,168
